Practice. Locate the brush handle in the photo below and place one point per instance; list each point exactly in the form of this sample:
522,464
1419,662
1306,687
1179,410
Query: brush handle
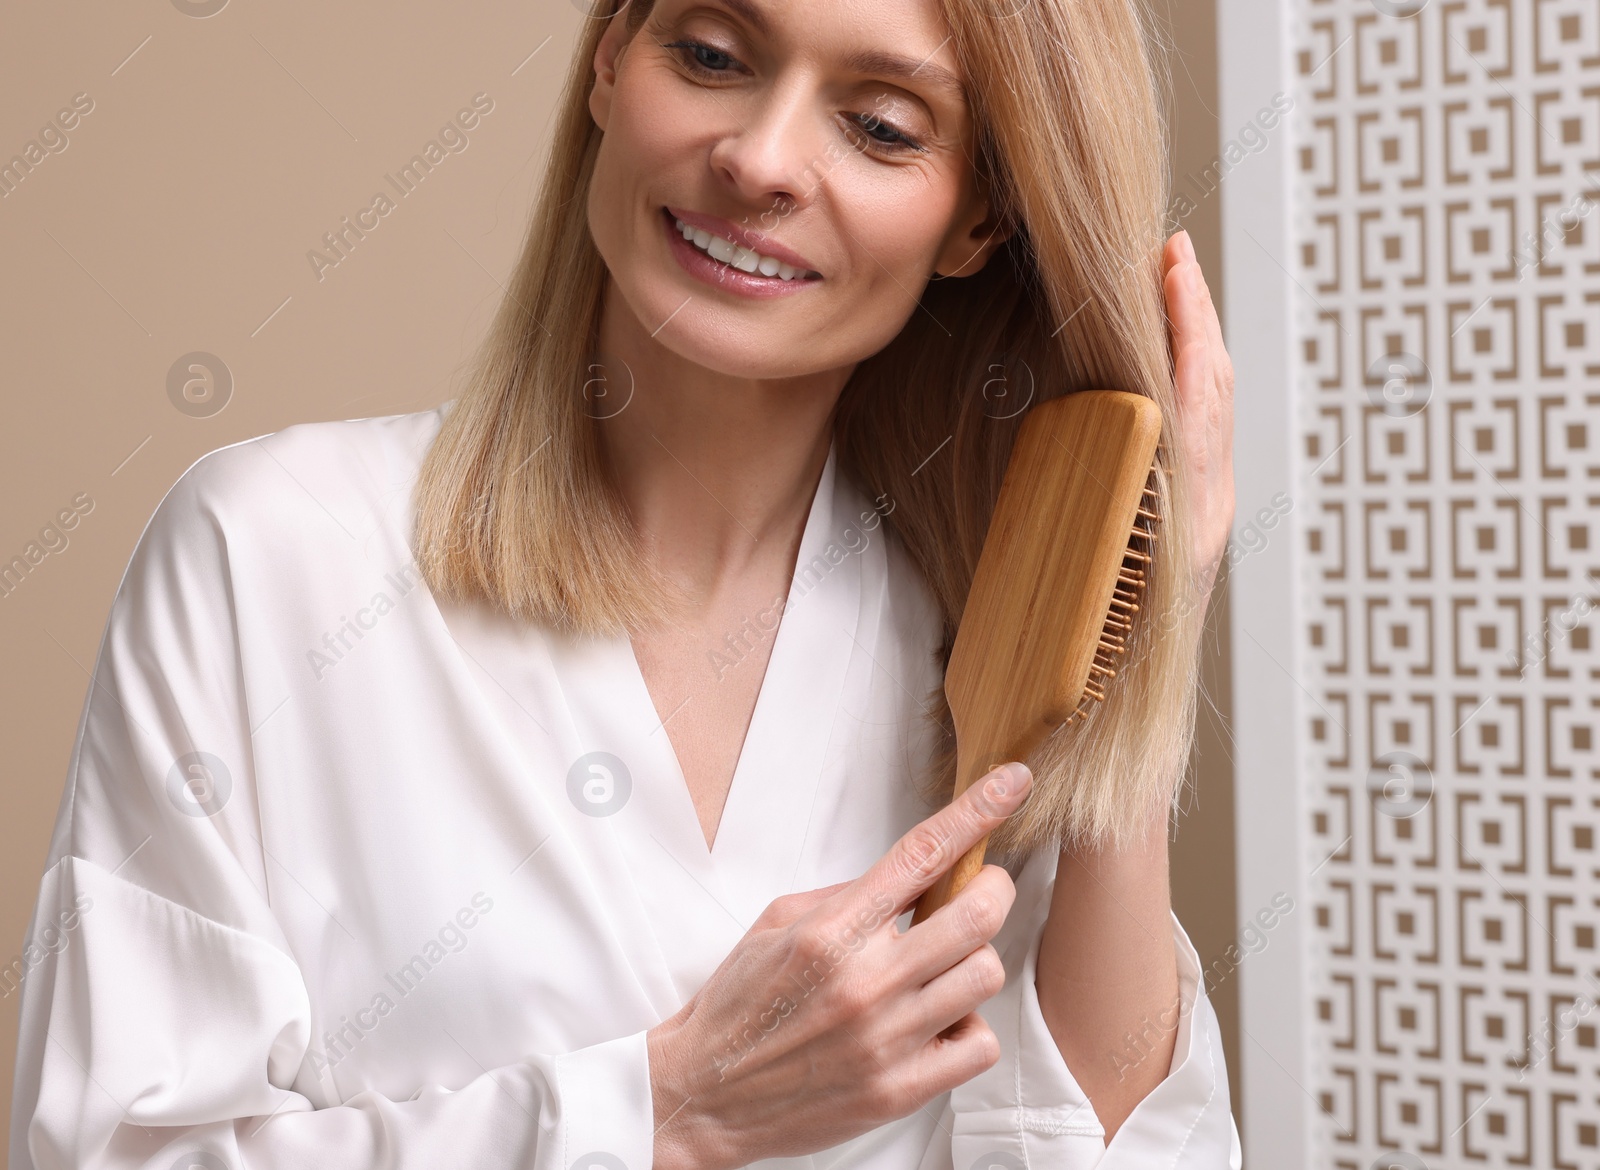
951,882
954,879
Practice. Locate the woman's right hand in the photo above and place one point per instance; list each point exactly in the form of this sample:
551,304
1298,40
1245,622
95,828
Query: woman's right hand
826,1020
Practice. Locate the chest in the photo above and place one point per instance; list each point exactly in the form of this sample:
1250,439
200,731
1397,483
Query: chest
703,679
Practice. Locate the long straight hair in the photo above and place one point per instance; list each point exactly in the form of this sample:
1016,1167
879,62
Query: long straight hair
516,505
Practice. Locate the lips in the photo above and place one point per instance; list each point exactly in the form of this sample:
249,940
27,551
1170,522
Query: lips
735,255
755,241
716,260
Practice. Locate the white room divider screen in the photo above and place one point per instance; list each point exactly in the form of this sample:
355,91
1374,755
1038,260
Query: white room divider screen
1413,276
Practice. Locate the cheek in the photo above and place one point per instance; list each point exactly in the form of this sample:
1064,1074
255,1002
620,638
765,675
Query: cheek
648,136
893,226
899,219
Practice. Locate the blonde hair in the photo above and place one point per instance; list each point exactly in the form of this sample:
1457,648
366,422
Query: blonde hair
516,506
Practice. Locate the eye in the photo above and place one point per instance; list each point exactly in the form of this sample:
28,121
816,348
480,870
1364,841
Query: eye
701,58
882,135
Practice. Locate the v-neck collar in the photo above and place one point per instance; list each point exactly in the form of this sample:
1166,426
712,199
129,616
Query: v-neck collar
695,903
768,811
759,841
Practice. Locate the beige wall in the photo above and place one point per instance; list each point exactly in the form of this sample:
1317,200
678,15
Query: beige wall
215,153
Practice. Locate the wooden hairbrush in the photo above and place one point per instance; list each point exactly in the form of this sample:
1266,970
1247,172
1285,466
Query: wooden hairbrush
1056,588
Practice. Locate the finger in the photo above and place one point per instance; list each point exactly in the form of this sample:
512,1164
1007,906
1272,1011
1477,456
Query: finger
906,1024
1200,362
1171,253
1178,249
918,859
1187,308
1213,323
1193,376
967,922
968,1048
1217,375
956,993
1189,292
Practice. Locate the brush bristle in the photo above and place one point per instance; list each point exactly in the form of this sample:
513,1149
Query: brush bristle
1124,603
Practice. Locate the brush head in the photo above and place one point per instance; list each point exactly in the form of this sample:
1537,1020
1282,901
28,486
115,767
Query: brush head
1056,591
1058,581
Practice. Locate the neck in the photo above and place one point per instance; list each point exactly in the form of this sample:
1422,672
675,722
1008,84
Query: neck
718,471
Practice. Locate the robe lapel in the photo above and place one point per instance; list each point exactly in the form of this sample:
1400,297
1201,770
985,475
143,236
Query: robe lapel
555,700
769,813
661,850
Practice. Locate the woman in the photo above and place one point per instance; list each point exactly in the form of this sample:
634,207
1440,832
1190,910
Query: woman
449,791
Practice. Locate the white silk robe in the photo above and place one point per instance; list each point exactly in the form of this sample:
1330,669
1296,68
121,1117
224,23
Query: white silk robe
344,877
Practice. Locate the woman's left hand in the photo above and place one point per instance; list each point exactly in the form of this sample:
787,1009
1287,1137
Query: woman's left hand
1204,376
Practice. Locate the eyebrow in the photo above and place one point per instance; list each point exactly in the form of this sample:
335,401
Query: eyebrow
882,64
751,13
873,61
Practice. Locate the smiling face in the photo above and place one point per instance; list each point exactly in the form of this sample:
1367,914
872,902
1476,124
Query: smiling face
778,179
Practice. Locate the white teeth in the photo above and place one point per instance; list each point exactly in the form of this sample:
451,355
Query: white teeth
735,255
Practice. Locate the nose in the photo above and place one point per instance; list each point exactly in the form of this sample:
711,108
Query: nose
772,155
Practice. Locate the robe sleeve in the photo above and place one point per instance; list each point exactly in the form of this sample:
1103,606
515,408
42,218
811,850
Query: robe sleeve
165,1019
1028,1110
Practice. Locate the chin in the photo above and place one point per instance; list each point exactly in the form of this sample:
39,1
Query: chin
727,338
730,344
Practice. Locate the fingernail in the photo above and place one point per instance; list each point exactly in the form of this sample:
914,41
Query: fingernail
1192,275
1007,785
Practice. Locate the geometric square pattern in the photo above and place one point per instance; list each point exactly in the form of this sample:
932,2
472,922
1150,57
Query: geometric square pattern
1445,169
